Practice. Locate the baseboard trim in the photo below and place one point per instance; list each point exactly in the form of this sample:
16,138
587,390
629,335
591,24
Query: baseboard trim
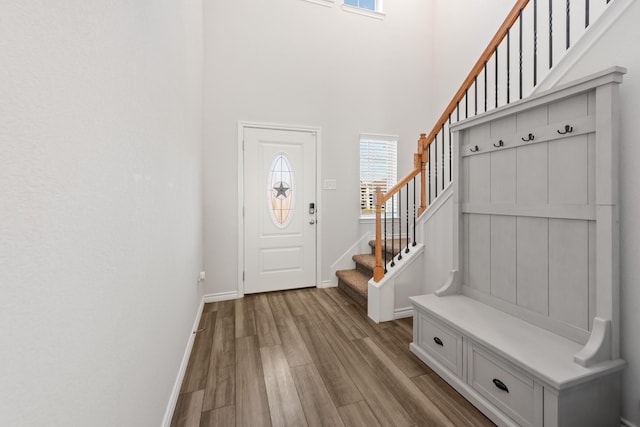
327,3
173,399
625,423
401,313
328,284
345,262
221,296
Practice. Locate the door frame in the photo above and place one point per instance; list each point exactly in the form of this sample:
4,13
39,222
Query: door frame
315,130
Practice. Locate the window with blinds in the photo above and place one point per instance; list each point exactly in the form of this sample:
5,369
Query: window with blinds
378,169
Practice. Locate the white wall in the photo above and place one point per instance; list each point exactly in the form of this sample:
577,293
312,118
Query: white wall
619,47
462,30
100,207
438,233
429,271
295,62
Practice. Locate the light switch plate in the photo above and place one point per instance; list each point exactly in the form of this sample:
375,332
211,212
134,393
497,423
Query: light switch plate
329,184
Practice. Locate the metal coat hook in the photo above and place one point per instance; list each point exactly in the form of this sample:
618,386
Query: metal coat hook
530,138
475,149
499,144
567,129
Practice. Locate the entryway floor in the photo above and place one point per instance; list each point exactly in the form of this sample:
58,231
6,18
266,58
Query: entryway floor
311,357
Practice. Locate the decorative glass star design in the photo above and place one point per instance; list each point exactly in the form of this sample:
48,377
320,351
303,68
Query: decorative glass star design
281,189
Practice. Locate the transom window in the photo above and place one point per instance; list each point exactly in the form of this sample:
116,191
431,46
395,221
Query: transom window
362,4
371,8
378,169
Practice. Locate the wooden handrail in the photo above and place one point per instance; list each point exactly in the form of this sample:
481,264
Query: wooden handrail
421,157
477,68
398,186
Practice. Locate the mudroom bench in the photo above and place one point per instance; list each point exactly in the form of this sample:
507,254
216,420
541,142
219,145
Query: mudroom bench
520,373
527,326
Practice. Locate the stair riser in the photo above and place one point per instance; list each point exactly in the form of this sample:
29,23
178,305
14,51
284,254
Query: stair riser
390,253
364,266
353,294
364,269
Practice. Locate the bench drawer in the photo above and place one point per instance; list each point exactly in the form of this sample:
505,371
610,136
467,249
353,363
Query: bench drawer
441,342
506,386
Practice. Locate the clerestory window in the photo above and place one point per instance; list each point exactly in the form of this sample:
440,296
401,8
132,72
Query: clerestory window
372,8
362,4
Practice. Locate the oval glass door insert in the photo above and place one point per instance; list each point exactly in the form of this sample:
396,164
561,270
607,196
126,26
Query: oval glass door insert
281,191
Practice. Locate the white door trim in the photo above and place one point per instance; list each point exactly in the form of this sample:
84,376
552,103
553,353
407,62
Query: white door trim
242,125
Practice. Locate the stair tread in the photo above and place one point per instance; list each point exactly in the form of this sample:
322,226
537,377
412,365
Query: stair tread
355,282
367,260
403,241
391,245
355,279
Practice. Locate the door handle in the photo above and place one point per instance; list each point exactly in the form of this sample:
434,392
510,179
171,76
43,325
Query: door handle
312,222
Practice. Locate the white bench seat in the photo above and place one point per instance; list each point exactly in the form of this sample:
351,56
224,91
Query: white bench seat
543,354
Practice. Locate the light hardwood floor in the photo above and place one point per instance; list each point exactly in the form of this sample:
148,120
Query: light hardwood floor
310,357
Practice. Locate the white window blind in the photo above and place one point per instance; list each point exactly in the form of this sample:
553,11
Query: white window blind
378,169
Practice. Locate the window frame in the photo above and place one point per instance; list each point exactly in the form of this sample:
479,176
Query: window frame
377,13
370,137
327,3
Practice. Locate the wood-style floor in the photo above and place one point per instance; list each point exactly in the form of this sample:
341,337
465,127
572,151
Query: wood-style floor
311,357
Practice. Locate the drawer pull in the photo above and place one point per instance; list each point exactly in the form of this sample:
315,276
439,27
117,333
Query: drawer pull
438,341
500,385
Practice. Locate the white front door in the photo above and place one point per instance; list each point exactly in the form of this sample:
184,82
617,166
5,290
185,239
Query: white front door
279,209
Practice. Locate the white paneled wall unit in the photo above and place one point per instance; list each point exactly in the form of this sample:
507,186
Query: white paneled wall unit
527,327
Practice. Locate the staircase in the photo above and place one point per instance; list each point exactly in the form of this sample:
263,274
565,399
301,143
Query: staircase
355,282
524,52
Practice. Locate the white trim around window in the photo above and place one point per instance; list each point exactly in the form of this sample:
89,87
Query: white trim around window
327,3
377,14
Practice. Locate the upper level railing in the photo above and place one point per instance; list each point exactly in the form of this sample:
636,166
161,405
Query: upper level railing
531,40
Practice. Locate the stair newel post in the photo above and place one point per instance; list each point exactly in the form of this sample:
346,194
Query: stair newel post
393,232
423,154
407,219
399,224
414,211
378,270
384,239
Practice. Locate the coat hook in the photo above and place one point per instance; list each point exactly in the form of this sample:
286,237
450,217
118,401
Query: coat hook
499,144
530,138
567,129
475,149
